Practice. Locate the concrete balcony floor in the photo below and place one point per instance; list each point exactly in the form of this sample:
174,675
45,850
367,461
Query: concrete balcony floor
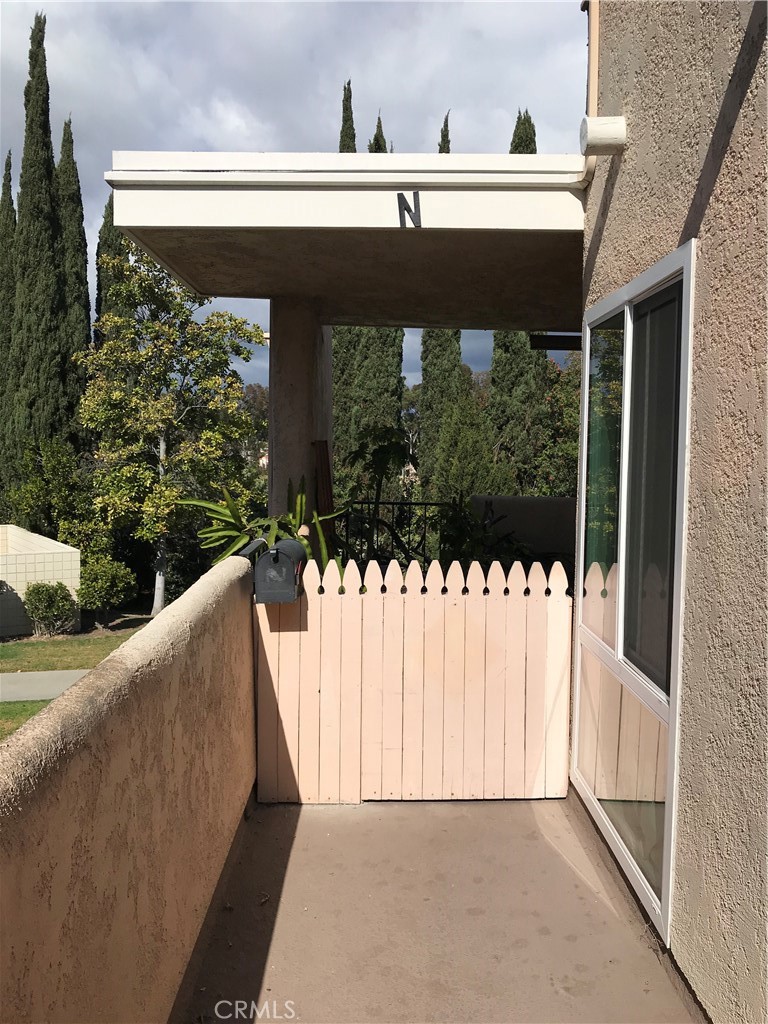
482,912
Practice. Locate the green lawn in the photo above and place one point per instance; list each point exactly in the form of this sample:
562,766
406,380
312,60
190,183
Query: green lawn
14,713
59,652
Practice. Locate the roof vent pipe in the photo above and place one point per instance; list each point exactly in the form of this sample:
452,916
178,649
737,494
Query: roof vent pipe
601,136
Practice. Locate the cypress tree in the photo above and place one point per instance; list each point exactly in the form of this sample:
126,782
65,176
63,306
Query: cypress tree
464,457
76,318
524,135
7,282
347,140
445,137
40,403
378,144
441,378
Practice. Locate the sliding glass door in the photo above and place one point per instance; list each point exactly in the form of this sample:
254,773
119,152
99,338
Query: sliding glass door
631,565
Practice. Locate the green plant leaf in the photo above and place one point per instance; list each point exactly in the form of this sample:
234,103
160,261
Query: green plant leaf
237,543
237,519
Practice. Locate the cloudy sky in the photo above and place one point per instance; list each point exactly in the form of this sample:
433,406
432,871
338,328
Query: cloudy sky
268,76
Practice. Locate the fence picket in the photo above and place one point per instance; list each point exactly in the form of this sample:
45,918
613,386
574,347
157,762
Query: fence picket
474,684
288,703
372,664
434,676
309,687
593,609
494,709
453,687
267,682
392,686
514,684
558,683
351,675
413,683
535,684
330,687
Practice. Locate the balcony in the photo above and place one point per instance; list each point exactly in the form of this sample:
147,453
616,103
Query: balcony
140,881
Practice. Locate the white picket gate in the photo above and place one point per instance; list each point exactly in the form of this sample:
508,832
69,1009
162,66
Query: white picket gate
414,688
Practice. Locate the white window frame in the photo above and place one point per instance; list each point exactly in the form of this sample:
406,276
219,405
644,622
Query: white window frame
677,266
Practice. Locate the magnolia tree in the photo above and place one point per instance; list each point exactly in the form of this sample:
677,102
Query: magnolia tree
163,400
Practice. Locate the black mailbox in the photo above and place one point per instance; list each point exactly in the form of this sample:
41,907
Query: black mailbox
277,573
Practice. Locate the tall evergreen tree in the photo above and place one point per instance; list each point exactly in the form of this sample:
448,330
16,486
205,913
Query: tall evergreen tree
524,135
378,144
39,364
445,136
347,140
7,282
518,413
112,244
441,378
76,315
464,458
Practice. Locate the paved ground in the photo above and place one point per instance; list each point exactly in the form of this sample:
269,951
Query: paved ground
37,685
481,912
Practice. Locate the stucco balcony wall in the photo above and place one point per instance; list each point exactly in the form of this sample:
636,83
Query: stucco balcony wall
118,806
30,558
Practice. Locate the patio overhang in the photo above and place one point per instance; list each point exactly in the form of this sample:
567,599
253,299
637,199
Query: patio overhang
473,241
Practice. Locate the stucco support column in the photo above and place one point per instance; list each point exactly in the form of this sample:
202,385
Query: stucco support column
300,399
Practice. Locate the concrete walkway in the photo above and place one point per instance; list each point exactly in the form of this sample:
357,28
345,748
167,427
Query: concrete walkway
37,685
455,912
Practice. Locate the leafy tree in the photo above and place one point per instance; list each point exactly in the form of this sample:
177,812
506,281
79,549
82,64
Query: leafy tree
41,378
105,584
378,144
165,402
524,135
7,282
347,140
256,404
76,312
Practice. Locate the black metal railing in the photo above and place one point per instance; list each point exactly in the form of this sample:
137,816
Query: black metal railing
402,530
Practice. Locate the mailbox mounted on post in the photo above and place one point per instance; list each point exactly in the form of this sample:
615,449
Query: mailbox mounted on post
277,573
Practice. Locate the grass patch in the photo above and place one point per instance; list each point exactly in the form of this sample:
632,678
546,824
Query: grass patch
14,713
66,652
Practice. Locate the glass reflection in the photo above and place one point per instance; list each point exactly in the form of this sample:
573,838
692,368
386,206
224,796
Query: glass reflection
606,371
622,756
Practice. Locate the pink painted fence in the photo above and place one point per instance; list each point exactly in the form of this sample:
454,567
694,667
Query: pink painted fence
414,688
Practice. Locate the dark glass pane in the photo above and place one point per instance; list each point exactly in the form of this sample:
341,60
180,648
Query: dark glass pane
651,484
606,370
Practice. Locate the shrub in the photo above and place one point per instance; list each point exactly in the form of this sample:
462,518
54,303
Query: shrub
51,608
105,584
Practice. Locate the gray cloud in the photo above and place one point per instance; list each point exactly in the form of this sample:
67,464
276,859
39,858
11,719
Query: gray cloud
268,76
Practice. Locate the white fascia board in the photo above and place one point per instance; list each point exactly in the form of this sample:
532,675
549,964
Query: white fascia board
459,209
338,170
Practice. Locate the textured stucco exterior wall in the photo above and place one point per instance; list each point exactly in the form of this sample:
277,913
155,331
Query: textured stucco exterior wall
118,804
690,80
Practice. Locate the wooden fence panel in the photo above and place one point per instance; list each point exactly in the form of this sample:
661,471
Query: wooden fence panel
453,686
495,672
309,689
413,683
515,681
372,685
434,682
392,686
474,684
423,688
330,688
351,689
